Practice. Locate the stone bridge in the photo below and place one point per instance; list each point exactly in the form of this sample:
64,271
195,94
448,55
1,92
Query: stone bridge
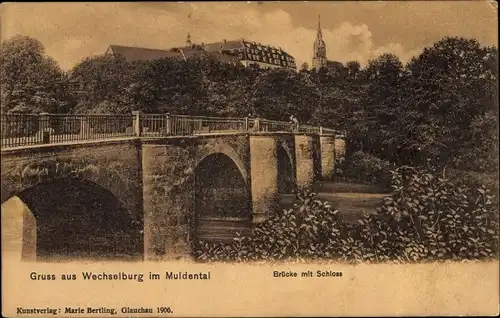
156,195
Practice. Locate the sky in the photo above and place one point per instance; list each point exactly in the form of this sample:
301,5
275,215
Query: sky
351,30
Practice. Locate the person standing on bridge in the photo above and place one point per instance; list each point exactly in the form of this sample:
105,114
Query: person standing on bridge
295,123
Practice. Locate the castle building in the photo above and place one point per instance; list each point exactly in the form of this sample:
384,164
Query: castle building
244,52
251,53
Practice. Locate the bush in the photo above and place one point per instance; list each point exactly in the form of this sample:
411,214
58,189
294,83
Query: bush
364,167
475,179
438,218
426,218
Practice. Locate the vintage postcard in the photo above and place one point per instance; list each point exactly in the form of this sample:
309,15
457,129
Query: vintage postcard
215,159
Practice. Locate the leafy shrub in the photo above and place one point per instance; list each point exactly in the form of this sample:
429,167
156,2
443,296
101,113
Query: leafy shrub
475,179
364,167
426,218
439,218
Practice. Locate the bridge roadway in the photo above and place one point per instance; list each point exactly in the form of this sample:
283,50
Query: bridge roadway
155,196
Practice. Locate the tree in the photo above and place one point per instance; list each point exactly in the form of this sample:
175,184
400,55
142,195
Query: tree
278,93
451,95
227,88
32,82
169,86
353,69
376,126
304,67
101,84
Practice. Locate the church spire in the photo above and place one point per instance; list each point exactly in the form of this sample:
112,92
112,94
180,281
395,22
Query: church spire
188,40
319,35
319,49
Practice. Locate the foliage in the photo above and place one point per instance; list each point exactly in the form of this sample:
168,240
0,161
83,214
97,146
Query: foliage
364,167
442,218
99,84
439,107
279,93
376,123
427,218
452,93
32,82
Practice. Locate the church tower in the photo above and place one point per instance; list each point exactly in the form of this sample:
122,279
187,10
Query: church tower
188,40
319,49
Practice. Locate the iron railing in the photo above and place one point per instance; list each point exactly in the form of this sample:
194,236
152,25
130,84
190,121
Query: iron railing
33,129
276,126
159,125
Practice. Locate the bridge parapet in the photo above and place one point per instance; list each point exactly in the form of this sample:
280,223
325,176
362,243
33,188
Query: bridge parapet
19,130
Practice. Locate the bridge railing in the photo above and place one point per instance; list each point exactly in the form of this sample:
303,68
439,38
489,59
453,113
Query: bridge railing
32,129
157,125
309,129
275,126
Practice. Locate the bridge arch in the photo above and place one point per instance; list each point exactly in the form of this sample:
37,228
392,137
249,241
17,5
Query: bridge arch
222,198
108,176
74,218
227,150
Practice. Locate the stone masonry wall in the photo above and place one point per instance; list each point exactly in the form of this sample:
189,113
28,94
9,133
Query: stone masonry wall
168,193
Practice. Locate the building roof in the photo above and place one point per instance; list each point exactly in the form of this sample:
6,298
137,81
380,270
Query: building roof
223,57
192,51
131,53
241,44
221,51
224,45
198,51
